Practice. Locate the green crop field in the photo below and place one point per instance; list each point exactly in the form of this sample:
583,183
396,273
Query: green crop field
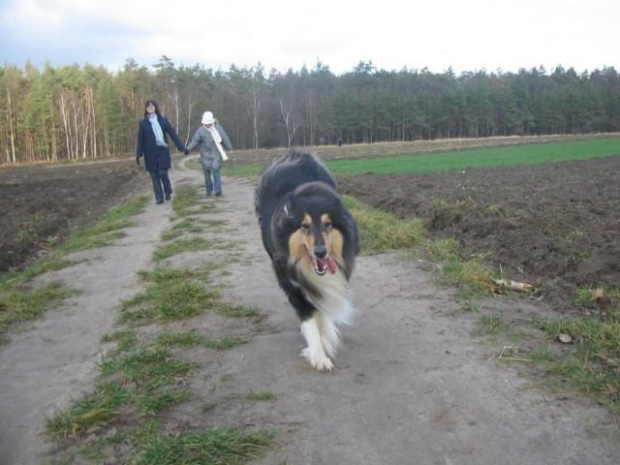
464,159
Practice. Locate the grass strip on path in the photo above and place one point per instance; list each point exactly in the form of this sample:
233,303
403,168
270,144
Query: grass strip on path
145,375
171,294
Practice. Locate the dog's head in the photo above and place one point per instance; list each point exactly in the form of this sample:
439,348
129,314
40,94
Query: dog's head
318,229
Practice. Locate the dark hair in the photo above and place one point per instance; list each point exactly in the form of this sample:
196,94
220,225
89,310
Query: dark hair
147,103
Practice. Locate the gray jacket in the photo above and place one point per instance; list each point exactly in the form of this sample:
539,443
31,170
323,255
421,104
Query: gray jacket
209,154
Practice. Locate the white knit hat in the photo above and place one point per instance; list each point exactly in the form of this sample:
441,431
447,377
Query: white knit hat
207,118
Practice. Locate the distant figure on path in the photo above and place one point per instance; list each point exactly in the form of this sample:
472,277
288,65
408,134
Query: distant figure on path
211,139
153,144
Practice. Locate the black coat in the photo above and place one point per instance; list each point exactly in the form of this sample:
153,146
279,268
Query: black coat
156,157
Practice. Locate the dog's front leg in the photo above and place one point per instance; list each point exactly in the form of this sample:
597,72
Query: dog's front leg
314,353
330,337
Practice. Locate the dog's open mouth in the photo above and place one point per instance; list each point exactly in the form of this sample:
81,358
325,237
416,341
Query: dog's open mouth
322,265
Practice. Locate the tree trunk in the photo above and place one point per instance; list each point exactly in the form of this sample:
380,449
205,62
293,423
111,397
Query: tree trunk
286,118
94,120
190,108
10,118
65,123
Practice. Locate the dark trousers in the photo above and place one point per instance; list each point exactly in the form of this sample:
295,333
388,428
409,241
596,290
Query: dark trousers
161,185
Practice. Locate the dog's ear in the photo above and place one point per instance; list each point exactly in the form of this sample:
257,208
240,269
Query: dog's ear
283,215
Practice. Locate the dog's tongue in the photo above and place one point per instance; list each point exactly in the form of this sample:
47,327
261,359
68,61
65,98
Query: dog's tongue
329,263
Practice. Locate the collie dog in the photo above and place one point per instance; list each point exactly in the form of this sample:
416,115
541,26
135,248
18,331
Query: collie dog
312,241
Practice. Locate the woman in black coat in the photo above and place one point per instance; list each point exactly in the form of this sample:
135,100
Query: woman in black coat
153,144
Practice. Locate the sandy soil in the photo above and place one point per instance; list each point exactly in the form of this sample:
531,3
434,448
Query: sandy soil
412,384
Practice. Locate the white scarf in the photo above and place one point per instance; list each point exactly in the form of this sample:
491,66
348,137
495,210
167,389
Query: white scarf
218,141
159,134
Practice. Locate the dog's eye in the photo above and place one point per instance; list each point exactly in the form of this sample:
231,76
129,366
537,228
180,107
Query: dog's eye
305,227
327,225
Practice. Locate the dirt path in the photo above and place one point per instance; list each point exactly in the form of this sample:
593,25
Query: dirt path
52,361
411,385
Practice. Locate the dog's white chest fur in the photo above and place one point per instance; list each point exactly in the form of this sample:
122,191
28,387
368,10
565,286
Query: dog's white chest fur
335,308
335,298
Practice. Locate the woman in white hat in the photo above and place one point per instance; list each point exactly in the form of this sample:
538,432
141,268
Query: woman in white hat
213,143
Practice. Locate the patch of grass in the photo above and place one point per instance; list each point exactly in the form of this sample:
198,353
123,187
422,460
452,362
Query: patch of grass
193,244
207,208
171,234
108,229
492,325
187,339
169,301
184,198
541,355
472,276
129,384
126,339
52,262
101,407
217,446
585,298
126,209
225,343
156,403
471,307
172,294
19,303
141,314
194,164
164,275
382,232
591,363
259,396
150,368
83,241
186,225
106,226
443,250
245,169
214,223
98,450
236,311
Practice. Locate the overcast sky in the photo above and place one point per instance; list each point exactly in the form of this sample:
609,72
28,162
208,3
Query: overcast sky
468,35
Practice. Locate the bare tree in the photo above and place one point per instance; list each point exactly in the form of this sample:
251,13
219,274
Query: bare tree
10,118
286,112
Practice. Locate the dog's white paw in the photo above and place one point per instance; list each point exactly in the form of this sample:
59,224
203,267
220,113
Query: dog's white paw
329,346
319,362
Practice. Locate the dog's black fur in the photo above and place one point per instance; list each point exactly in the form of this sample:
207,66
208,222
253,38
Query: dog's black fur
312,240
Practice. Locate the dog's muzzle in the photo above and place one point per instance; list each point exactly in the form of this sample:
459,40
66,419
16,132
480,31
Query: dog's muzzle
323,265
